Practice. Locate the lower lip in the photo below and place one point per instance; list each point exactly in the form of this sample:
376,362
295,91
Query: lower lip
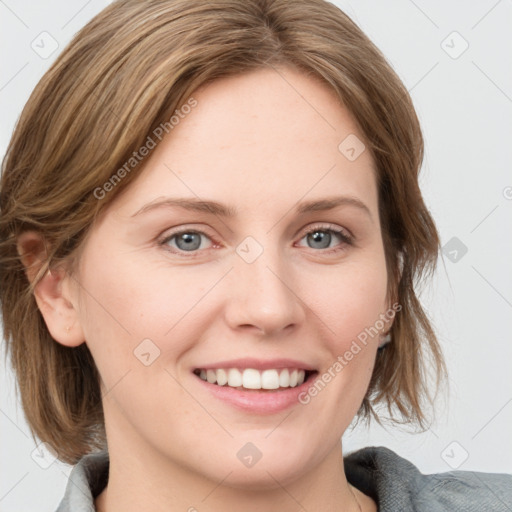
256,401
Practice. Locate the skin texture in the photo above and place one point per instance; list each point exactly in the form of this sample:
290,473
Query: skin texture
261,143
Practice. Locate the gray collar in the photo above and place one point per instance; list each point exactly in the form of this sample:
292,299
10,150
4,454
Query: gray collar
394,483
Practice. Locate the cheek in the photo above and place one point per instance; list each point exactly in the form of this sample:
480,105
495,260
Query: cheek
128,300
350,312
351,300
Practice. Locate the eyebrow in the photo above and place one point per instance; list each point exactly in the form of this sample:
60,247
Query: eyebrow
216,208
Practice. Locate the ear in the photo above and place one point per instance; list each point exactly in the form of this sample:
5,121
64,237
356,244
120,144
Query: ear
53,293
393,304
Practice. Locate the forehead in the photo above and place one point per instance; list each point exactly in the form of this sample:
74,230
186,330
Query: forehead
257,138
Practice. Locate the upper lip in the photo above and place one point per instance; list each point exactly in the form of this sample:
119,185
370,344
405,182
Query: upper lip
258,364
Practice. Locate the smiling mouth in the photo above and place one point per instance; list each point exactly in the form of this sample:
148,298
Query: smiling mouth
250,379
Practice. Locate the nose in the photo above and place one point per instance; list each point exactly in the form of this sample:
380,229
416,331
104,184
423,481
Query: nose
263,295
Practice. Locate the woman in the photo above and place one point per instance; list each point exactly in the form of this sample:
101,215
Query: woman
211,230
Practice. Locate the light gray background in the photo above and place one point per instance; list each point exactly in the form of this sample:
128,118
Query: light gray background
465,107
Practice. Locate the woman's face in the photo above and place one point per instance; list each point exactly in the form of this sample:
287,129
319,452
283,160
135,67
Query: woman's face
167,290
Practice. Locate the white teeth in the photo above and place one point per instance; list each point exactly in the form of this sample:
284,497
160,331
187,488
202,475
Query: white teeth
250,378
222,377
270,379
234,378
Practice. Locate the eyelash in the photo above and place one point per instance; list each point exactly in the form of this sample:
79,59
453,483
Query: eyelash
342,234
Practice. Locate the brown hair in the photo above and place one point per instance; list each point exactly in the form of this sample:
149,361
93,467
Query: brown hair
121,77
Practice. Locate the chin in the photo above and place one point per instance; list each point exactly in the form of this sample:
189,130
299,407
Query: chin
264,464
264,477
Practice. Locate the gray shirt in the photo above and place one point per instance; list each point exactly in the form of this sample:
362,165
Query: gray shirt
394,483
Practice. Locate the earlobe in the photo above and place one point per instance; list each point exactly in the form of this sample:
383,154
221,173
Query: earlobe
51,292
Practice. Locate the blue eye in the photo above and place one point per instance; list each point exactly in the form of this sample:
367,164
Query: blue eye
320,236
187,241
